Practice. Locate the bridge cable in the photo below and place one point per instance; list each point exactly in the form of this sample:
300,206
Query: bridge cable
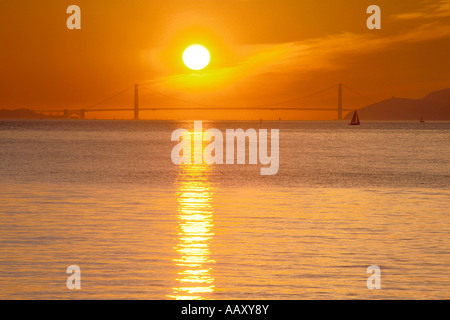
258,106
296,99
109,98
178,99
360,94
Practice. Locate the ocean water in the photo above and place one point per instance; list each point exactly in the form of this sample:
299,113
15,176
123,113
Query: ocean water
105,196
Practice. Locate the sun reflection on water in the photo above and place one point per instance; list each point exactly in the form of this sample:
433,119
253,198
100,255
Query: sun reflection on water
195,224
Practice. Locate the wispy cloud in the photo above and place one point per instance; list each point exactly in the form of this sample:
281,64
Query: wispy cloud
321,53
262,65
431,10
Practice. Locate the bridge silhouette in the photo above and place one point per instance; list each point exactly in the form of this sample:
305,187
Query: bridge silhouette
81,113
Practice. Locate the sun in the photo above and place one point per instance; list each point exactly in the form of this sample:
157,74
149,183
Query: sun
196,57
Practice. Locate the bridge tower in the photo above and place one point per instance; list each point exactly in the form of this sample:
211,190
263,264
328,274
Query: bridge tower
340,101
136,102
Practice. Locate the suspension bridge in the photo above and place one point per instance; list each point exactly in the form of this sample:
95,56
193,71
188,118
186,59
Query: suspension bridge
81,113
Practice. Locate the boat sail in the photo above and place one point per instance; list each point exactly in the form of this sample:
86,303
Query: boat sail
355,120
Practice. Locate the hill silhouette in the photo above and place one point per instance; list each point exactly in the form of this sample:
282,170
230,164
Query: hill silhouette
434,106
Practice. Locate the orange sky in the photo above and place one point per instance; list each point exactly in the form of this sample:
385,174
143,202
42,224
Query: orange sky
263,52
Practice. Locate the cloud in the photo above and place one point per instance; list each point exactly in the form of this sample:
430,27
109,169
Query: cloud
325,52
432,10
262,65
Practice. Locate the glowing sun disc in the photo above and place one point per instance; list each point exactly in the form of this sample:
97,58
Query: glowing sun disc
196,57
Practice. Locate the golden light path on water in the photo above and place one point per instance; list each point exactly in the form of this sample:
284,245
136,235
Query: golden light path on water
195,231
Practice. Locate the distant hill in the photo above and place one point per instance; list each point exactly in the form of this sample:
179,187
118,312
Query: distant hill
434,106
20,114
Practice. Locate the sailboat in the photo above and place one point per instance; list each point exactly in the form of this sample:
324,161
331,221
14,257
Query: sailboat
355,120
421,119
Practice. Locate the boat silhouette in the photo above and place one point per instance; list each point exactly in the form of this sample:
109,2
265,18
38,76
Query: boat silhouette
355,120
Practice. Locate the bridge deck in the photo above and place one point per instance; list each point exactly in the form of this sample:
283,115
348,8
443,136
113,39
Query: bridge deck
194,108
